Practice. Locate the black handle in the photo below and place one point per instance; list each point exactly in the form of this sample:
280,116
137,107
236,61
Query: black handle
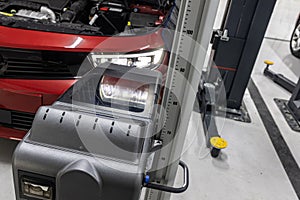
172,189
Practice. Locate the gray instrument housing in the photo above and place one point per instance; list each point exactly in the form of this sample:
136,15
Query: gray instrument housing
89,153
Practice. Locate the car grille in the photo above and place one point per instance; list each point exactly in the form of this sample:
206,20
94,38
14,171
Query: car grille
20,120
34,69
40,64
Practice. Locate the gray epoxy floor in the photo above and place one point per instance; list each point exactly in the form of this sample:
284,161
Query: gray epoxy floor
6,182
249,169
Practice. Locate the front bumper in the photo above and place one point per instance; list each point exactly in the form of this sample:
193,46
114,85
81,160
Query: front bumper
20,99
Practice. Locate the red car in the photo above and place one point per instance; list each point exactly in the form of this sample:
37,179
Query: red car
43,43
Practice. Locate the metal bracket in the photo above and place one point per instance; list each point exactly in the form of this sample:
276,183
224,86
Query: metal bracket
208,117
157,145
222,35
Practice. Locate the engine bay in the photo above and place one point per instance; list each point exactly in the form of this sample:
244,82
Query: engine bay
90,17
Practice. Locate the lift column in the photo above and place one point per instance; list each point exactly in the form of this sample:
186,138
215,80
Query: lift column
243,28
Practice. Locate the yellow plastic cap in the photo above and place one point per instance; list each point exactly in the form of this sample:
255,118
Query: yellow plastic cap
218,143
269,62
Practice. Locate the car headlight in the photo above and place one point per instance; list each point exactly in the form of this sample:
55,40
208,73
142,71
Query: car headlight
140,60
122,92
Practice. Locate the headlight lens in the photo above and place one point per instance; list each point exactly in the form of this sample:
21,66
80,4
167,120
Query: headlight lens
139,60
116,91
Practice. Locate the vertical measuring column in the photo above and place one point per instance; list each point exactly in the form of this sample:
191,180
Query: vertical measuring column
194,29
